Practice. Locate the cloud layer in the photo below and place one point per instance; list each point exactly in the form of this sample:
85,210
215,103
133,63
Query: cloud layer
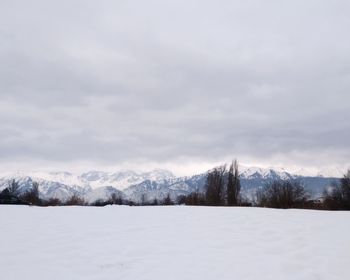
116,82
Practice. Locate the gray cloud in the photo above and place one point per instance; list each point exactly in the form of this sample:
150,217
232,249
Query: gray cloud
120,81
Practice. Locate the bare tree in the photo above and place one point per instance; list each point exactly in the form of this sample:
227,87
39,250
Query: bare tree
214,186
32,196
338,198
233,184
13,188
115,199
143,199
282,194
168,200
345,187
155,202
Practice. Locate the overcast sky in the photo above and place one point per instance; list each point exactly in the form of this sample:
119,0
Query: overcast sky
178,84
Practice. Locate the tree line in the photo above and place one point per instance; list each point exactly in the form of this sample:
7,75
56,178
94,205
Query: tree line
13,195
222,188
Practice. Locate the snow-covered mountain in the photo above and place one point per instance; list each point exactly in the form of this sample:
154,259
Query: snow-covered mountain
92,185
265,173
138,186
123,179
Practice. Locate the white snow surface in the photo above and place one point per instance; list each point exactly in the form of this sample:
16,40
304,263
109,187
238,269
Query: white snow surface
175,242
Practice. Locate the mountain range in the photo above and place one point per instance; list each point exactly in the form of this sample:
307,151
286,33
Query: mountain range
155,184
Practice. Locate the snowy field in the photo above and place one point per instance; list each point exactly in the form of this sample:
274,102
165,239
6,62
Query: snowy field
120,242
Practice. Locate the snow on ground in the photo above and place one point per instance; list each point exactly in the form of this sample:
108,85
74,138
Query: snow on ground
179,242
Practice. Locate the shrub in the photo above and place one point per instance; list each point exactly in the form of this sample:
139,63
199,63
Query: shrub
194,198
75,200
53,202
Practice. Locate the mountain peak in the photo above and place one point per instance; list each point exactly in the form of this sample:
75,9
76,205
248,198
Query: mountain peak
265,173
